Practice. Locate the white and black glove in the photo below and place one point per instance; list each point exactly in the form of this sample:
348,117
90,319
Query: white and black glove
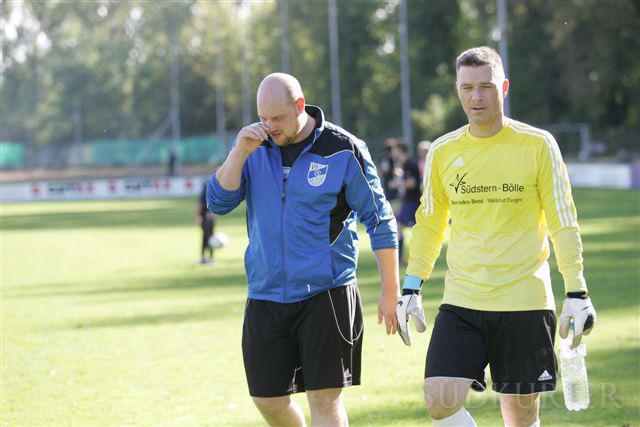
577,307
410,305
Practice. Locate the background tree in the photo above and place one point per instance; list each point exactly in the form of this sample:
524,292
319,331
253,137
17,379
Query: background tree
92,70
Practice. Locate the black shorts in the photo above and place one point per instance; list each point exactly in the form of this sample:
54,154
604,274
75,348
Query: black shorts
517,345
309,345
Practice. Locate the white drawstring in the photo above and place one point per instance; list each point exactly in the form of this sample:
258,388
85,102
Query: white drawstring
351,318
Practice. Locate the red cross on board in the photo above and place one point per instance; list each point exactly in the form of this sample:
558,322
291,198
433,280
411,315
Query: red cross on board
112,186
188,183
35,190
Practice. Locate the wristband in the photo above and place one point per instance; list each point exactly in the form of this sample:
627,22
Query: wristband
578,295
412,283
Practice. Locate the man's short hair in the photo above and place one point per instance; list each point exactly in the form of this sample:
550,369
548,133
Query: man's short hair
481,55
424,145
389,143
402,146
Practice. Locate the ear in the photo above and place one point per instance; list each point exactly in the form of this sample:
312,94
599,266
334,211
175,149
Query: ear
505,88
300,103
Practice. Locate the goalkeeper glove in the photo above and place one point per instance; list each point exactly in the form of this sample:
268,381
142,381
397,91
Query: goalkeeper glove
580,309
410,305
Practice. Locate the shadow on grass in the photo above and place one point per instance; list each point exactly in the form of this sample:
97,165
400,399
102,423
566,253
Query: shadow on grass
613,395
143,218
169,213
209,313
592,203
410,414
614,387
131,285
626,360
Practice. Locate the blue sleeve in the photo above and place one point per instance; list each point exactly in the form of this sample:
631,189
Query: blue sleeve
365,196
221,201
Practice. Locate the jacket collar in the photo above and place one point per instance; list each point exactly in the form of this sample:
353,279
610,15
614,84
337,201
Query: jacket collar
318,115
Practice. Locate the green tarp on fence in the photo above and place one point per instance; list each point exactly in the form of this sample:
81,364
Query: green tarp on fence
145,153
12,155
130,152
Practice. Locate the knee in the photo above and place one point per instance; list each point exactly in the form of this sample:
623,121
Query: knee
520,411
434,402
522,422
441,399
439,412
523,418
323,400
272,405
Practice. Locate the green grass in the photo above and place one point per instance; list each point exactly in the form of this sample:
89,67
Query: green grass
108,320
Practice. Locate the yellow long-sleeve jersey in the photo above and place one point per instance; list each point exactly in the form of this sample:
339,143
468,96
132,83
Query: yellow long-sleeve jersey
504,195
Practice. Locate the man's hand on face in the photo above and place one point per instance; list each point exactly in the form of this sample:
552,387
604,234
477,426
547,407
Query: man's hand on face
249,138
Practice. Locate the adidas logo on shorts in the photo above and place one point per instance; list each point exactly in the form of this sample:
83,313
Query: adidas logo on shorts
545,376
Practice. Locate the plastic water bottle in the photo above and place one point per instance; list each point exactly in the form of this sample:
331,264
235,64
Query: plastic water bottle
573,370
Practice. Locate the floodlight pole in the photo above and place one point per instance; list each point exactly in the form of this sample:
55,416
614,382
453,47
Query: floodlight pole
220,118
336,107
246,102
404,77
503,47
77,123
174,159
284,36
244,12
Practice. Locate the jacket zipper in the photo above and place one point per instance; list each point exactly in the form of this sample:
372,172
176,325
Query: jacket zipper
283,199
284,273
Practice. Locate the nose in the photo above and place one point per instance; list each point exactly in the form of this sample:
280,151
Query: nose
476,94
272,124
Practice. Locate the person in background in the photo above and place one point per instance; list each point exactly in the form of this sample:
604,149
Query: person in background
505,188
423,150
206,220
305,181
388,168
410,194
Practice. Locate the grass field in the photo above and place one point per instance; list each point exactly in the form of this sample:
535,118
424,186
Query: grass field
108,320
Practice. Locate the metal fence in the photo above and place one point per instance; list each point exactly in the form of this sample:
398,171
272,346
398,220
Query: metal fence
576,140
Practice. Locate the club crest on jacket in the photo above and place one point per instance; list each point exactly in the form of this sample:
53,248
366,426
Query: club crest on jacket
317,174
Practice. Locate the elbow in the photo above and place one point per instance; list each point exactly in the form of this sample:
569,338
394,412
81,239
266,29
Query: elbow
219,209
384,235
384,241
220,201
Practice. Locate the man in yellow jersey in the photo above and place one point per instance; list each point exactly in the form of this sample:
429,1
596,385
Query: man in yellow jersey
504,186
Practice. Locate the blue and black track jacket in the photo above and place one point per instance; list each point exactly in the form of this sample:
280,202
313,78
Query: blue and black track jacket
302,231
